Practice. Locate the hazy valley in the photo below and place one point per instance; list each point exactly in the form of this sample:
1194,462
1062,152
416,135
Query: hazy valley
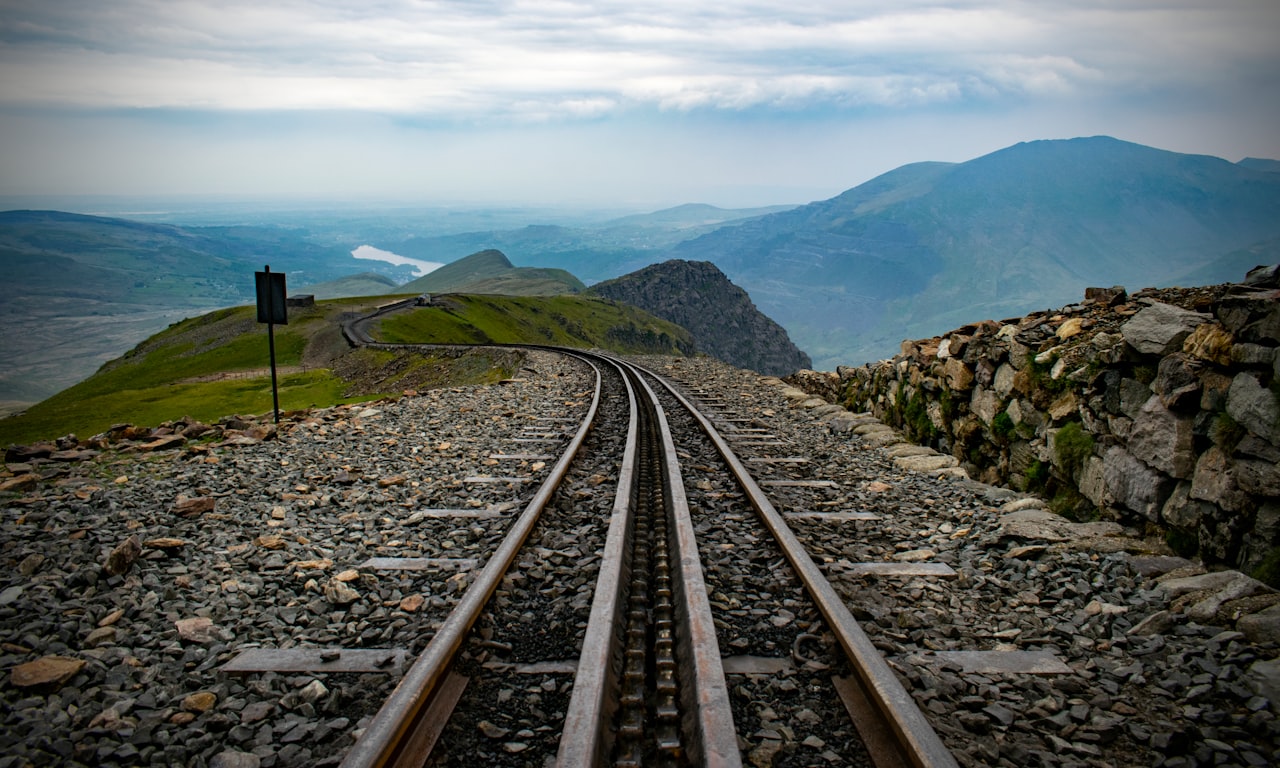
911,253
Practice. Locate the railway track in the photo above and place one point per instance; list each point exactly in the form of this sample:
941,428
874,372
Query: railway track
646,681
286,586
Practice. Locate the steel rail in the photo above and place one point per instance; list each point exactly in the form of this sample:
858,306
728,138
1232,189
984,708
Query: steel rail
382,741
707,721
916,742
584,738
704,692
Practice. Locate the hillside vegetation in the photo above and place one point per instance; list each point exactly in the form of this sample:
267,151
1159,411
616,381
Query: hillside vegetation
217,365
490,271
571,321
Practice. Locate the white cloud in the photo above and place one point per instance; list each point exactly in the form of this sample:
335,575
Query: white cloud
475,60
663,100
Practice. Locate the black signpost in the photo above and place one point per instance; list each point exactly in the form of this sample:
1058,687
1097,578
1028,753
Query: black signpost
272,310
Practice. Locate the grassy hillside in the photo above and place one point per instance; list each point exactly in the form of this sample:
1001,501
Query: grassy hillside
217,365
363,284
491,272
571,321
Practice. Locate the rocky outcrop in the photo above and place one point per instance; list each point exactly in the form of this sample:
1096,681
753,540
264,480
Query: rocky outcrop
1161,407
724,322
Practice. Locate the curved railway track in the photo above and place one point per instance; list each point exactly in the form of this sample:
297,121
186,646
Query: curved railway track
645,679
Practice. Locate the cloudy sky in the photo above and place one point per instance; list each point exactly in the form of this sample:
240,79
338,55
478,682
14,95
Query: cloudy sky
631,103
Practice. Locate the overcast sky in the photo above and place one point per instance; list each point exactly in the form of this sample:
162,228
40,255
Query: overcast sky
641,103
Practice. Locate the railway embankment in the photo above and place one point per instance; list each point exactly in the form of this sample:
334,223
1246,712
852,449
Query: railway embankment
1159,408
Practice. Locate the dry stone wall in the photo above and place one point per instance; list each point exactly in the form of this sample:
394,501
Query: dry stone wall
1162,406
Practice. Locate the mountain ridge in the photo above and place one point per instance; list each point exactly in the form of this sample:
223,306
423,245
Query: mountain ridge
1029,225
721,316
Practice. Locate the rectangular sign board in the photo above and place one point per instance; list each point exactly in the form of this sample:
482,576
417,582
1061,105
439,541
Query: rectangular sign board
272,306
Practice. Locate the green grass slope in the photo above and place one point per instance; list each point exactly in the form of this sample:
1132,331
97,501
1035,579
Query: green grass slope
363,284
571,321
491,272
217,365
452,276
527,281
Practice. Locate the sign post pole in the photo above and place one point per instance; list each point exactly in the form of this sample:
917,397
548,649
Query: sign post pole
272,309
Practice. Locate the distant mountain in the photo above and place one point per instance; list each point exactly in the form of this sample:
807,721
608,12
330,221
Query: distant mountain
490,271
593,252
724,322
1261,164
930,246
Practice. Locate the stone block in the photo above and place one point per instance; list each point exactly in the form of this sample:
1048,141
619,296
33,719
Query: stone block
1134,485
1164,440
1092,484
1261,627
1133,395
1215,482
1160,329
1065,406
1253,354
1182,511
1018,353
1177,381
1071,327
959,377
1263,537
1252,317
1258,477
1254,407
984,404
1213,390
1004,380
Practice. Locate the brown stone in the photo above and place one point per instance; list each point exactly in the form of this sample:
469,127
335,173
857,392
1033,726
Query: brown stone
198,629
164,543
388,482
1064,406
1112,296
270,542
188,507
20,484
959,377
50,670
100,636
166,443
201,701
122,557
412,603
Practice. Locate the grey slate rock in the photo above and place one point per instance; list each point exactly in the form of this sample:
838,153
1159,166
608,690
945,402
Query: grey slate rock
1161,328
